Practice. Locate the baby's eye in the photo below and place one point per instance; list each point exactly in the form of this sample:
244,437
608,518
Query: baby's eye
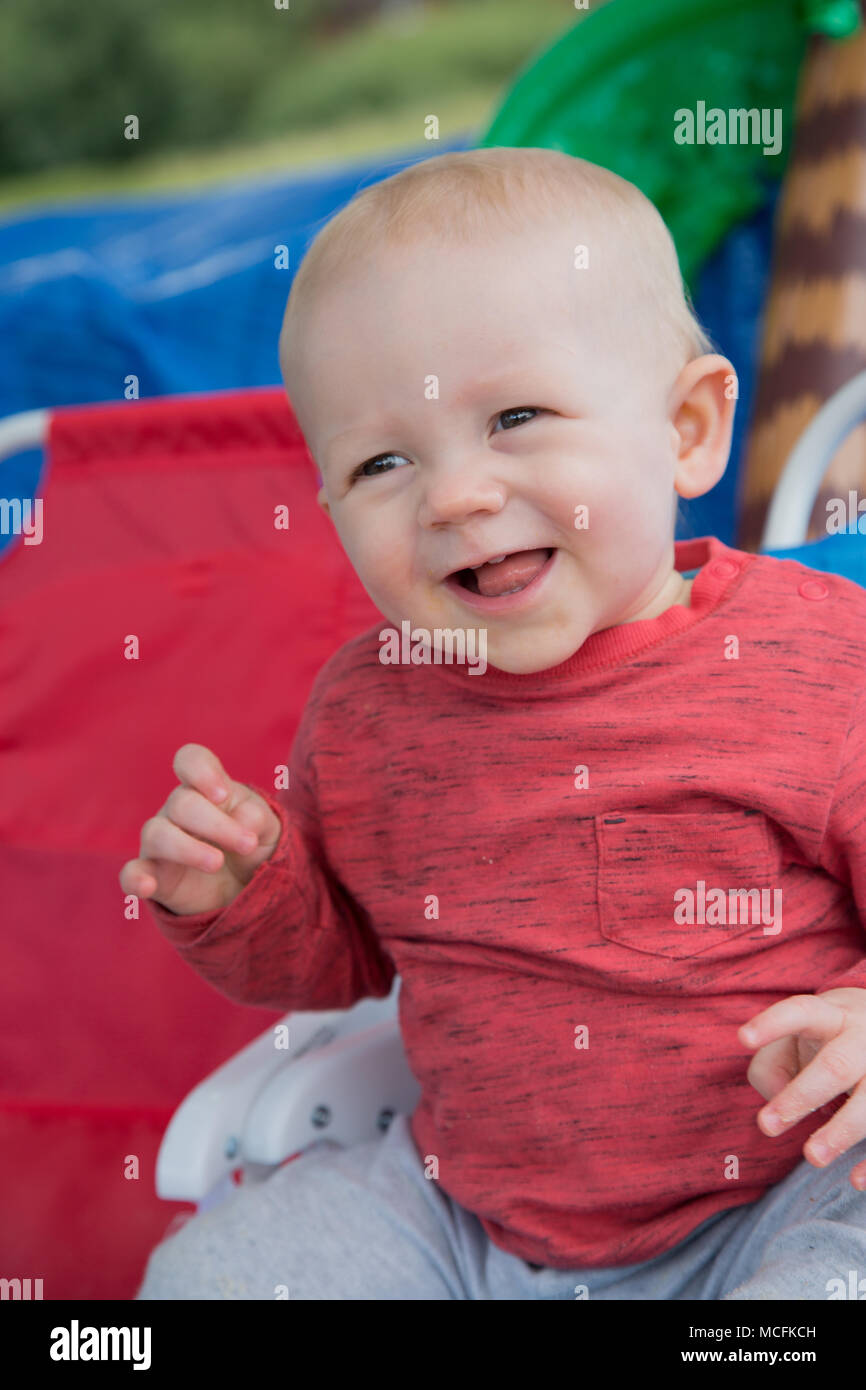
380,458
519,410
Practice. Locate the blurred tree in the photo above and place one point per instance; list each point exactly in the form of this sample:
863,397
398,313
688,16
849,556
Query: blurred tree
69,75
215,72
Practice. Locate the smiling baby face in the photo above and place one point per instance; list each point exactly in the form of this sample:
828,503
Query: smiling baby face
490,398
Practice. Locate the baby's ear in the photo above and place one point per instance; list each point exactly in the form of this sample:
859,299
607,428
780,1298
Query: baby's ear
702,415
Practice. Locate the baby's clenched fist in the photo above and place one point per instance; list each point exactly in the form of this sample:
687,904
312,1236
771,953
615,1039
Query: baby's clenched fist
204,845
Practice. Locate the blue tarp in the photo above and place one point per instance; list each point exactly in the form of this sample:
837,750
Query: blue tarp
182,292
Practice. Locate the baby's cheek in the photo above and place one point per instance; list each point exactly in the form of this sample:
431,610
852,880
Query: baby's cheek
387,564
388,574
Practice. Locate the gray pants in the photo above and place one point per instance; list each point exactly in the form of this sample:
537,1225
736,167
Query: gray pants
364,1223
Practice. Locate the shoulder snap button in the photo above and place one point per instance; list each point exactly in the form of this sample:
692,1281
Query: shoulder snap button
723,569
813,588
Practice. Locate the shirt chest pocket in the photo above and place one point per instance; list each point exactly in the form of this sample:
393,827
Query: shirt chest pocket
682,885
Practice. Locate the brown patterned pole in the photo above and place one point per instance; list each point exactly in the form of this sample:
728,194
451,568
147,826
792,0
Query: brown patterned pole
814,330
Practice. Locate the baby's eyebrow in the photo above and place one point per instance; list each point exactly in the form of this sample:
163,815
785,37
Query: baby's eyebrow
502,383
376,431
369,429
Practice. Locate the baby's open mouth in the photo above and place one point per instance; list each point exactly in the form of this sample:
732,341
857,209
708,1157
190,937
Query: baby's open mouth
506,576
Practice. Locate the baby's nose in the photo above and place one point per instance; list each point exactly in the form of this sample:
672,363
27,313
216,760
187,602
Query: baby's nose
456,494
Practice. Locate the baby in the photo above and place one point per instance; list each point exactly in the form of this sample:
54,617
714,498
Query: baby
624,856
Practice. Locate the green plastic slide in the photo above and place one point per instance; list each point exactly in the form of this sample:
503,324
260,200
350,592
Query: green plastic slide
651,89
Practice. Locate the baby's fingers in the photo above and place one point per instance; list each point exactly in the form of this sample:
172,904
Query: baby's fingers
191,811
773,1067
141,877
200,769
845,1129
162,839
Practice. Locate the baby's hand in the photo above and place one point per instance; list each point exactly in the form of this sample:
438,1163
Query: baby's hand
182,862
821,1040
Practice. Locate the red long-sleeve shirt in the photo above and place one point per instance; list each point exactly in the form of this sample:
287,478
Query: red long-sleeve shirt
573,1032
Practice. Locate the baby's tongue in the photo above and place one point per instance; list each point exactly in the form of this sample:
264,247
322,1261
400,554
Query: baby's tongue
515,570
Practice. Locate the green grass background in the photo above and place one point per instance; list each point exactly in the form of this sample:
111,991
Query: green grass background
224,90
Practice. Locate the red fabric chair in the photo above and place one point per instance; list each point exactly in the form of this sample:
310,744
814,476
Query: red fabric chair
158,523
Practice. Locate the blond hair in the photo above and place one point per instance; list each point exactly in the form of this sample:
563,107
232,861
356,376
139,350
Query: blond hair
461,196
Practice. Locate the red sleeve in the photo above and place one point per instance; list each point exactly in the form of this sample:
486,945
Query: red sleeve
293,938
843,850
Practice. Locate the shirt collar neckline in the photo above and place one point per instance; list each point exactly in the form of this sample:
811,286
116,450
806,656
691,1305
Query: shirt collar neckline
719,567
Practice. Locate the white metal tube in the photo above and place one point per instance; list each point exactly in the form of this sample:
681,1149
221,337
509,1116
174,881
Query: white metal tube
787,521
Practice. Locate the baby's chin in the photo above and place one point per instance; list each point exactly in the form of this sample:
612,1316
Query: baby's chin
527,653
518,645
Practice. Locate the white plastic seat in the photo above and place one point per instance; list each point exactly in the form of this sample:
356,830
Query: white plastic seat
338,1075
